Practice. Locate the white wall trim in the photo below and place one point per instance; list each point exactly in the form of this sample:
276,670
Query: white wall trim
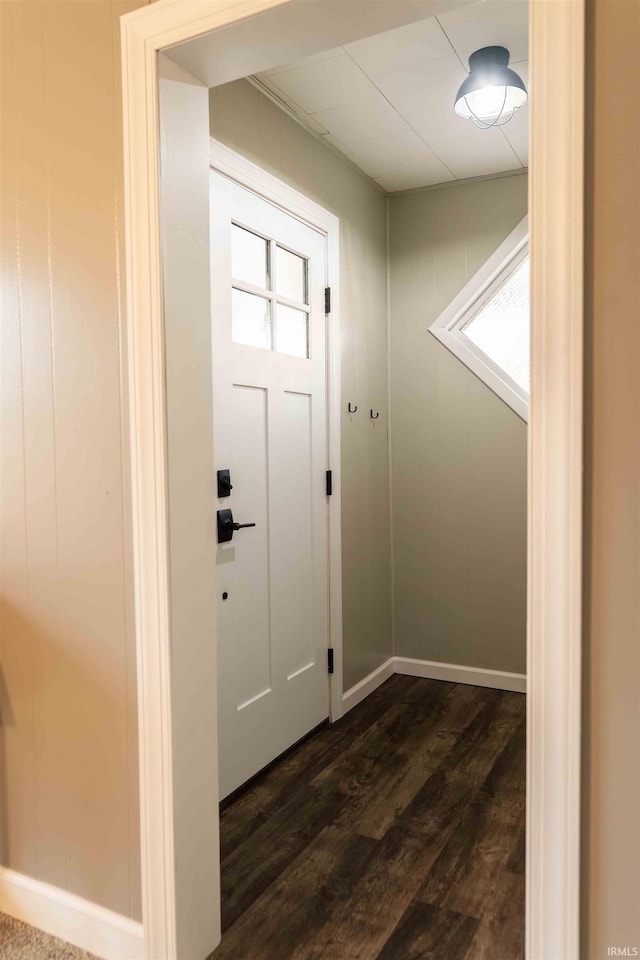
458,673
361,690
250,175
554,628
448,328
71,918
433,670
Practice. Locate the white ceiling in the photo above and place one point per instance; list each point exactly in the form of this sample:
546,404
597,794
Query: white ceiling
386,102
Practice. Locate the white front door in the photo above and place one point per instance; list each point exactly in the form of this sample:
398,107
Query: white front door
268,276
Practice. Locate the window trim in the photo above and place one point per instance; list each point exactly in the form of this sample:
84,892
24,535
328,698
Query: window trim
449,326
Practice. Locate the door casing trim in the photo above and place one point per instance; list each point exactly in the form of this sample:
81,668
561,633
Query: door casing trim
555,480
224,160
555,461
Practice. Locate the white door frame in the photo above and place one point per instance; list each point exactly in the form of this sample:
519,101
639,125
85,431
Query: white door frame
555,459
248,174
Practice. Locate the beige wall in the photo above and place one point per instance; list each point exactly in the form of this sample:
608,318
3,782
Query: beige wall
250,123
611,818
459,453
68,760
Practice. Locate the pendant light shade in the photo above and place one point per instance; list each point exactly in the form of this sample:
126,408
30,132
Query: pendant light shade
492,92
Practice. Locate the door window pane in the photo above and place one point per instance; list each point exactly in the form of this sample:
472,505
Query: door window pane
500,328
291,275
251,320
249,254
292,331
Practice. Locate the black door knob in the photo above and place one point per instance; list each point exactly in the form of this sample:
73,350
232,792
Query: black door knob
226,526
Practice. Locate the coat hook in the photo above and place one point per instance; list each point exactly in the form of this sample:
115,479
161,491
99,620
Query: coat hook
354,408
372,416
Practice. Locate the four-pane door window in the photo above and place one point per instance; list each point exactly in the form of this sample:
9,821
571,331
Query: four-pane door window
270,297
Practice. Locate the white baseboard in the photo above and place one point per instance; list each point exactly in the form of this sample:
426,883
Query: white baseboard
455,673
80,922
433,670
356,694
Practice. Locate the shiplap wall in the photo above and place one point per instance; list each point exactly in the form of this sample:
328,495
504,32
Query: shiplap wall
459,454
68,760
250,123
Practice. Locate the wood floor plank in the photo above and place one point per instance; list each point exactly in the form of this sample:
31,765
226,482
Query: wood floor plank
502,798
516,862
426,932
467,691
481,845
415,689
500,933
421,753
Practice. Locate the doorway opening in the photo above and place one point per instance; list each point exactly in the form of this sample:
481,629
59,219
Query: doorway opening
459,558
176,87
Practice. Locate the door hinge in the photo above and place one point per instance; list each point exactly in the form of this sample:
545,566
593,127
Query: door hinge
330,659
329,483
327,300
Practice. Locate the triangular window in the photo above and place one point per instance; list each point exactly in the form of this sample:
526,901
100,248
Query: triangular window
487,325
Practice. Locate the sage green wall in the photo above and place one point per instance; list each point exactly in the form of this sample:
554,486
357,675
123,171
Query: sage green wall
459,453
250,123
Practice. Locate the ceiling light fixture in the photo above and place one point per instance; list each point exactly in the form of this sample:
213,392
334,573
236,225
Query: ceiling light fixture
492,92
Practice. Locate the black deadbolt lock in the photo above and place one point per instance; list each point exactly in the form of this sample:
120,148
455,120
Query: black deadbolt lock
224,484
226,526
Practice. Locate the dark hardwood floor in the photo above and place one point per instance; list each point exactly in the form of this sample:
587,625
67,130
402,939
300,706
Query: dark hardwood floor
395,834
